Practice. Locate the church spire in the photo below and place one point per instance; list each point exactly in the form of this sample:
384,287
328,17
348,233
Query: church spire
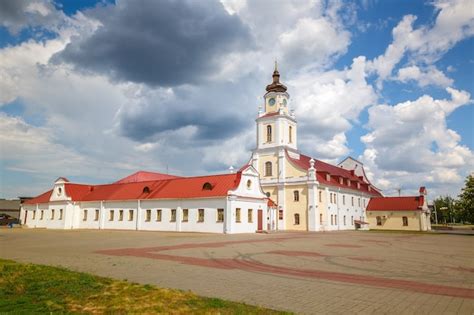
276,86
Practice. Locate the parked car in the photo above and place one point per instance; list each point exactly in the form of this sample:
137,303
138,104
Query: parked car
5,219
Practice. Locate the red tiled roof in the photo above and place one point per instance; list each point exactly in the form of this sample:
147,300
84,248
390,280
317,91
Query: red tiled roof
173,188
271,203
270,114
142,176
322,168
395,203
43,198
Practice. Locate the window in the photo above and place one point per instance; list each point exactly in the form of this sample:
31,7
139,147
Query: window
280,214
148,216
405,221
185,215
320,196
290,134
268,168
379,220
352,220
130,215
359,202
42,215
343,200
250,215
320,218
220,215
364,203
352,201
269,133
158,215
200,215
335,220
237,215
111,215
297,219
207,186
60,214
120,215
96,218
34,214
249,184
344,220
332,219
52,214
84,215
173,215
296,195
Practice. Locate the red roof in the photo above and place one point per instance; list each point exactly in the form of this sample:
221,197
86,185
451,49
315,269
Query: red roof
323,168
396,203
173,188
142,176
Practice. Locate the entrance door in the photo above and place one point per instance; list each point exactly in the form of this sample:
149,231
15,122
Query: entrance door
26,216
260,219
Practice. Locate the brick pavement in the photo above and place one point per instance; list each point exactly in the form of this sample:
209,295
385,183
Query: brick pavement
333,272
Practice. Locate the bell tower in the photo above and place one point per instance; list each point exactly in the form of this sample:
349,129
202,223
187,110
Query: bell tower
276,124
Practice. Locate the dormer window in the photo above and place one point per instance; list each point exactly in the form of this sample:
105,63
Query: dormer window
207,186
249,184
146,190
340,180
328,177
348,182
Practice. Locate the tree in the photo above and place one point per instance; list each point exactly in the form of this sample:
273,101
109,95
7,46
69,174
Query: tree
466,200
444,207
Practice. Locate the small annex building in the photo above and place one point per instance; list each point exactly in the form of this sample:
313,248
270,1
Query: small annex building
399,213
228,203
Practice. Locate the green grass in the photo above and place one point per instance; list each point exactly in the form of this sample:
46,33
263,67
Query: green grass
30,288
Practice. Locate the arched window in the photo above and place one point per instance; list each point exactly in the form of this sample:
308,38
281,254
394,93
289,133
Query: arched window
297,219
146,190
249,184
296,195
290,134
320,196
269,133
207,186
268,169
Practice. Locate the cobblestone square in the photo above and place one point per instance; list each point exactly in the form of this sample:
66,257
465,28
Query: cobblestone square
332,272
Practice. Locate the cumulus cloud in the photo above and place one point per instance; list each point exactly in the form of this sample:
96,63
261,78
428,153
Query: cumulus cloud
430,76
328,103
410,144
17,15
425,44
162,43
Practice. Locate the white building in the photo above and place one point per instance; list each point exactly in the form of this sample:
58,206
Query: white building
229,203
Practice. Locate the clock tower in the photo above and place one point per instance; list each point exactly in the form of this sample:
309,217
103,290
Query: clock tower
276,124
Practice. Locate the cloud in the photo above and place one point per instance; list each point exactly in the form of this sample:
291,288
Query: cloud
17,15
409,144
426,44
328,103
162,43
429,76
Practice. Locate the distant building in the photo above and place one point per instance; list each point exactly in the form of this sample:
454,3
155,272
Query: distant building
399,213
10,207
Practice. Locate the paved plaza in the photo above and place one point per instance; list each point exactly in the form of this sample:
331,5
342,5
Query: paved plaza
332,272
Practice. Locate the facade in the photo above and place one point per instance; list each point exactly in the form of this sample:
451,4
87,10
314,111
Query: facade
400,213
229,203
311,195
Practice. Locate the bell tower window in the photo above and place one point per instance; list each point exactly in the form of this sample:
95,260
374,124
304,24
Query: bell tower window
269,133
290,134
268,169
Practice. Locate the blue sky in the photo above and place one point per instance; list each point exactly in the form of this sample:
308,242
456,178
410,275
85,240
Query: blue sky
94,90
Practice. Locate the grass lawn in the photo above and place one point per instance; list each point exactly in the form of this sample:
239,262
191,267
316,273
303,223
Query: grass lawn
29,288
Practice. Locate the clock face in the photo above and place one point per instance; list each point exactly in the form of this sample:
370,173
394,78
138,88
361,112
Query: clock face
271,102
